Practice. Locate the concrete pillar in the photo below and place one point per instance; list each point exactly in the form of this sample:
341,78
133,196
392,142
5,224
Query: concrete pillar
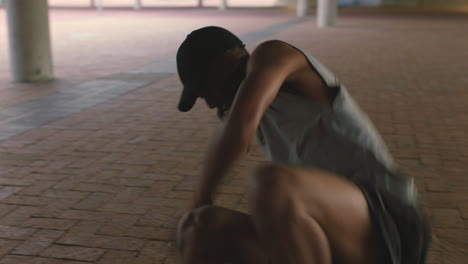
137,4
29,37
222,5
99,6
326,13
302,8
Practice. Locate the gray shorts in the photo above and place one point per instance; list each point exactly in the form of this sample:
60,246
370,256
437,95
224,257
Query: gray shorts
402,226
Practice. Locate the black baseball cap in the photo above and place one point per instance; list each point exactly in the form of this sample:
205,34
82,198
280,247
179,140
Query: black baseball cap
196,54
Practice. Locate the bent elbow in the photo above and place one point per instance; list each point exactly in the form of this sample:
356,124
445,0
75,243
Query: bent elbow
244,129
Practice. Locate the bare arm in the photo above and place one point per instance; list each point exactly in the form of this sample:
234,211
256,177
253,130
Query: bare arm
265,76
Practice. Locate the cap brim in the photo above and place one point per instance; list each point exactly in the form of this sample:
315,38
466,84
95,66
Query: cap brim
187,100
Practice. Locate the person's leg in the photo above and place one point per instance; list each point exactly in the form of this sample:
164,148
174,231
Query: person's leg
216,235
298,216
312,217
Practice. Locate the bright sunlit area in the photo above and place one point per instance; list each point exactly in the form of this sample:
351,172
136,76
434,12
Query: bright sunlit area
162,3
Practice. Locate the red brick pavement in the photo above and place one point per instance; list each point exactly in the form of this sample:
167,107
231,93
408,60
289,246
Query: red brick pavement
107,184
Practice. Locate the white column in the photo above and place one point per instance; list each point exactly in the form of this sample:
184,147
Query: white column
137,4
326,13
99,7
222,5
29,37
302,8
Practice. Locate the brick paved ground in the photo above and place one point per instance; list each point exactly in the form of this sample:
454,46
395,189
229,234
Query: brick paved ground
105,183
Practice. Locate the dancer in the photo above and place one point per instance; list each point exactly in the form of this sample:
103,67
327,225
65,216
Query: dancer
330,192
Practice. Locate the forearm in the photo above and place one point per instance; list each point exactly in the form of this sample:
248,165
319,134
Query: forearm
227,147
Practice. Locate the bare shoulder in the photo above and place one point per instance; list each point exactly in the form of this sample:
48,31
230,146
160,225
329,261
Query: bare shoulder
291,63
275,53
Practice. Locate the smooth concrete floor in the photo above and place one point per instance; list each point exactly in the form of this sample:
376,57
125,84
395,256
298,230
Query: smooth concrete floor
96,166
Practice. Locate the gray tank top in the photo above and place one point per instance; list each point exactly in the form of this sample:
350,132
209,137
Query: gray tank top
340,138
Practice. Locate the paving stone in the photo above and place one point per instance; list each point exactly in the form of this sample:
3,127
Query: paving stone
156,201
11,232
187,184
118,225
73,253
49,223
6,208
124,208
179,195
157,250
151,233
65,194
434,257
37,188
163,177
47,176
128,195
122,181
452,239
464,210
102,241
15,182
118,257
445,200
228,200
54,209
7,245
88,187
93,201
6,191
37,242
13,259
440,185
86,227
26,200
161,217
162,188
87,215
19,215
446,218
454,257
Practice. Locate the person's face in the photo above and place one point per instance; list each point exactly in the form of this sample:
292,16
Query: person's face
212,91
221,84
